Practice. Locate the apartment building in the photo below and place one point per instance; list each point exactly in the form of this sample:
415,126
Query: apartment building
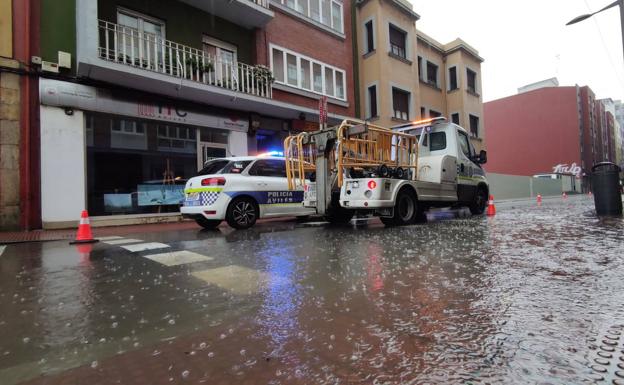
133,96
550,130
406,75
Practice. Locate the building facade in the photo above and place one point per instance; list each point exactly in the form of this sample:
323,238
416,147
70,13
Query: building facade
428,79
450,84
133,96
18,116
549,130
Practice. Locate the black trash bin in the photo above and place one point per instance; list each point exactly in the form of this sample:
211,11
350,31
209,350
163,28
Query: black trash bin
605,182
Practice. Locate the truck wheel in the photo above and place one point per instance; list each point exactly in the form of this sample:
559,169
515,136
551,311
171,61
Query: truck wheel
477,207
405,209
208,224
242,213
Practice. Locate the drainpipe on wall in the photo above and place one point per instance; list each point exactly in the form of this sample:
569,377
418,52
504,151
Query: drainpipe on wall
356,66
26,27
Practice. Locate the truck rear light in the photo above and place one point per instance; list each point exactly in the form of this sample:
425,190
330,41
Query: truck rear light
372,184
219,181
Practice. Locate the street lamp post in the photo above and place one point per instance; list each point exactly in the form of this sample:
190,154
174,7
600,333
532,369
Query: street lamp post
588,15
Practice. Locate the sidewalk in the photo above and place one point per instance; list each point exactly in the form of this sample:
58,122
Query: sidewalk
55,235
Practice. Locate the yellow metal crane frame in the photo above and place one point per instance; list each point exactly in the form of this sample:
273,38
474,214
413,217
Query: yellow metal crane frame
357,145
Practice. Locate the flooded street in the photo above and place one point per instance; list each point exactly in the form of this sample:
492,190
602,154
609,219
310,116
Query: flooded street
532,295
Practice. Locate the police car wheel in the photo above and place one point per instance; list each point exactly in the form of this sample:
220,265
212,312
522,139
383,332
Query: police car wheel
477,207
242,213
207,224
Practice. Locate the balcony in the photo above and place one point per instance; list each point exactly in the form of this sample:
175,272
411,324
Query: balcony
247,13
148,52
107,53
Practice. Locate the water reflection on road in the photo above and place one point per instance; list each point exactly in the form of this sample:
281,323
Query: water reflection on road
527,296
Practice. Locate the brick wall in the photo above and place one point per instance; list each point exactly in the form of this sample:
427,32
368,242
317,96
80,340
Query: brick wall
297,35
9,150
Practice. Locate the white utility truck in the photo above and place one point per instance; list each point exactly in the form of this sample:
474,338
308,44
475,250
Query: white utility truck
395,173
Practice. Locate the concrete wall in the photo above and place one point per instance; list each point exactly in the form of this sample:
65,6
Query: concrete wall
504,186
62,165
9,151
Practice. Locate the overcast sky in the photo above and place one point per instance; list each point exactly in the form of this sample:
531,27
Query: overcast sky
524,41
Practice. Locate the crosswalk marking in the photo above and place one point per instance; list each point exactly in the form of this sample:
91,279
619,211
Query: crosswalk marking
145,246
2,250
178,258
237,279
104,239
122,241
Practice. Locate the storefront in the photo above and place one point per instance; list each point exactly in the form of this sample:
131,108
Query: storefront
118,155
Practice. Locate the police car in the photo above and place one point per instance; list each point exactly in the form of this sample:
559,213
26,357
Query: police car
240,190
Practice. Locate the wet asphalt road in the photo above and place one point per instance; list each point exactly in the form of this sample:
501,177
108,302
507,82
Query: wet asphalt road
532,295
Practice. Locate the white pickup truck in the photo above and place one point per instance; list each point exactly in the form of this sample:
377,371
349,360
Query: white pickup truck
446,173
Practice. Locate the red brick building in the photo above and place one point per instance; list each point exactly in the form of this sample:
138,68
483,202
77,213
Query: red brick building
300,36
534,132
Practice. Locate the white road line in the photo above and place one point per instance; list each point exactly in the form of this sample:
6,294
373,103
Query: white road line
145,246
2,250
104,239
123,241
237,279
178,258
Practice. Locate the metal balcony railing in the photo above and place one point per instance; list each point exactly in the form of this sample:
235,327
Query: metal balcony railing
262,3
150,52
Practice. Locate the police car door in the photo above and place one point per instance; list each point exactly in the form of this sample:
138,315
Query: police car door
273,195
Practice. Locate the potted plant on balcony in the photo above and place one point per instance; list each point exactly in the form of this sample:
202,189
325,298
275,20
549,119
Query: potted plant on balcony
195,66
262,77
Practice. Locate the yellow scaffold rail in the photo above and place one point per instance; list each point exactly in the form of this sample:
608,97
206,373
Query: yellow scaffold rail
300,159
373,147
358,145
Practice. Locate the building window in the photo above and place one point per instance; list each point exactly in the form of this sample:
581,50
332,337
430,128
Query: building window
141,166
177,139
224,58
398,42
420,77
452,78
139,32
474,126
455,118
434,114
400,104
370,36
372,102
472,80
423,111
432,74
296,70
327,12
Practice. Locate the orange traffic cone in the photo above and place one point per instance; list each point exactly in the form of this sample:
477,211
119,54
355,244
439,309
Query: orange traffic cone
84,230
491,209
539,199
